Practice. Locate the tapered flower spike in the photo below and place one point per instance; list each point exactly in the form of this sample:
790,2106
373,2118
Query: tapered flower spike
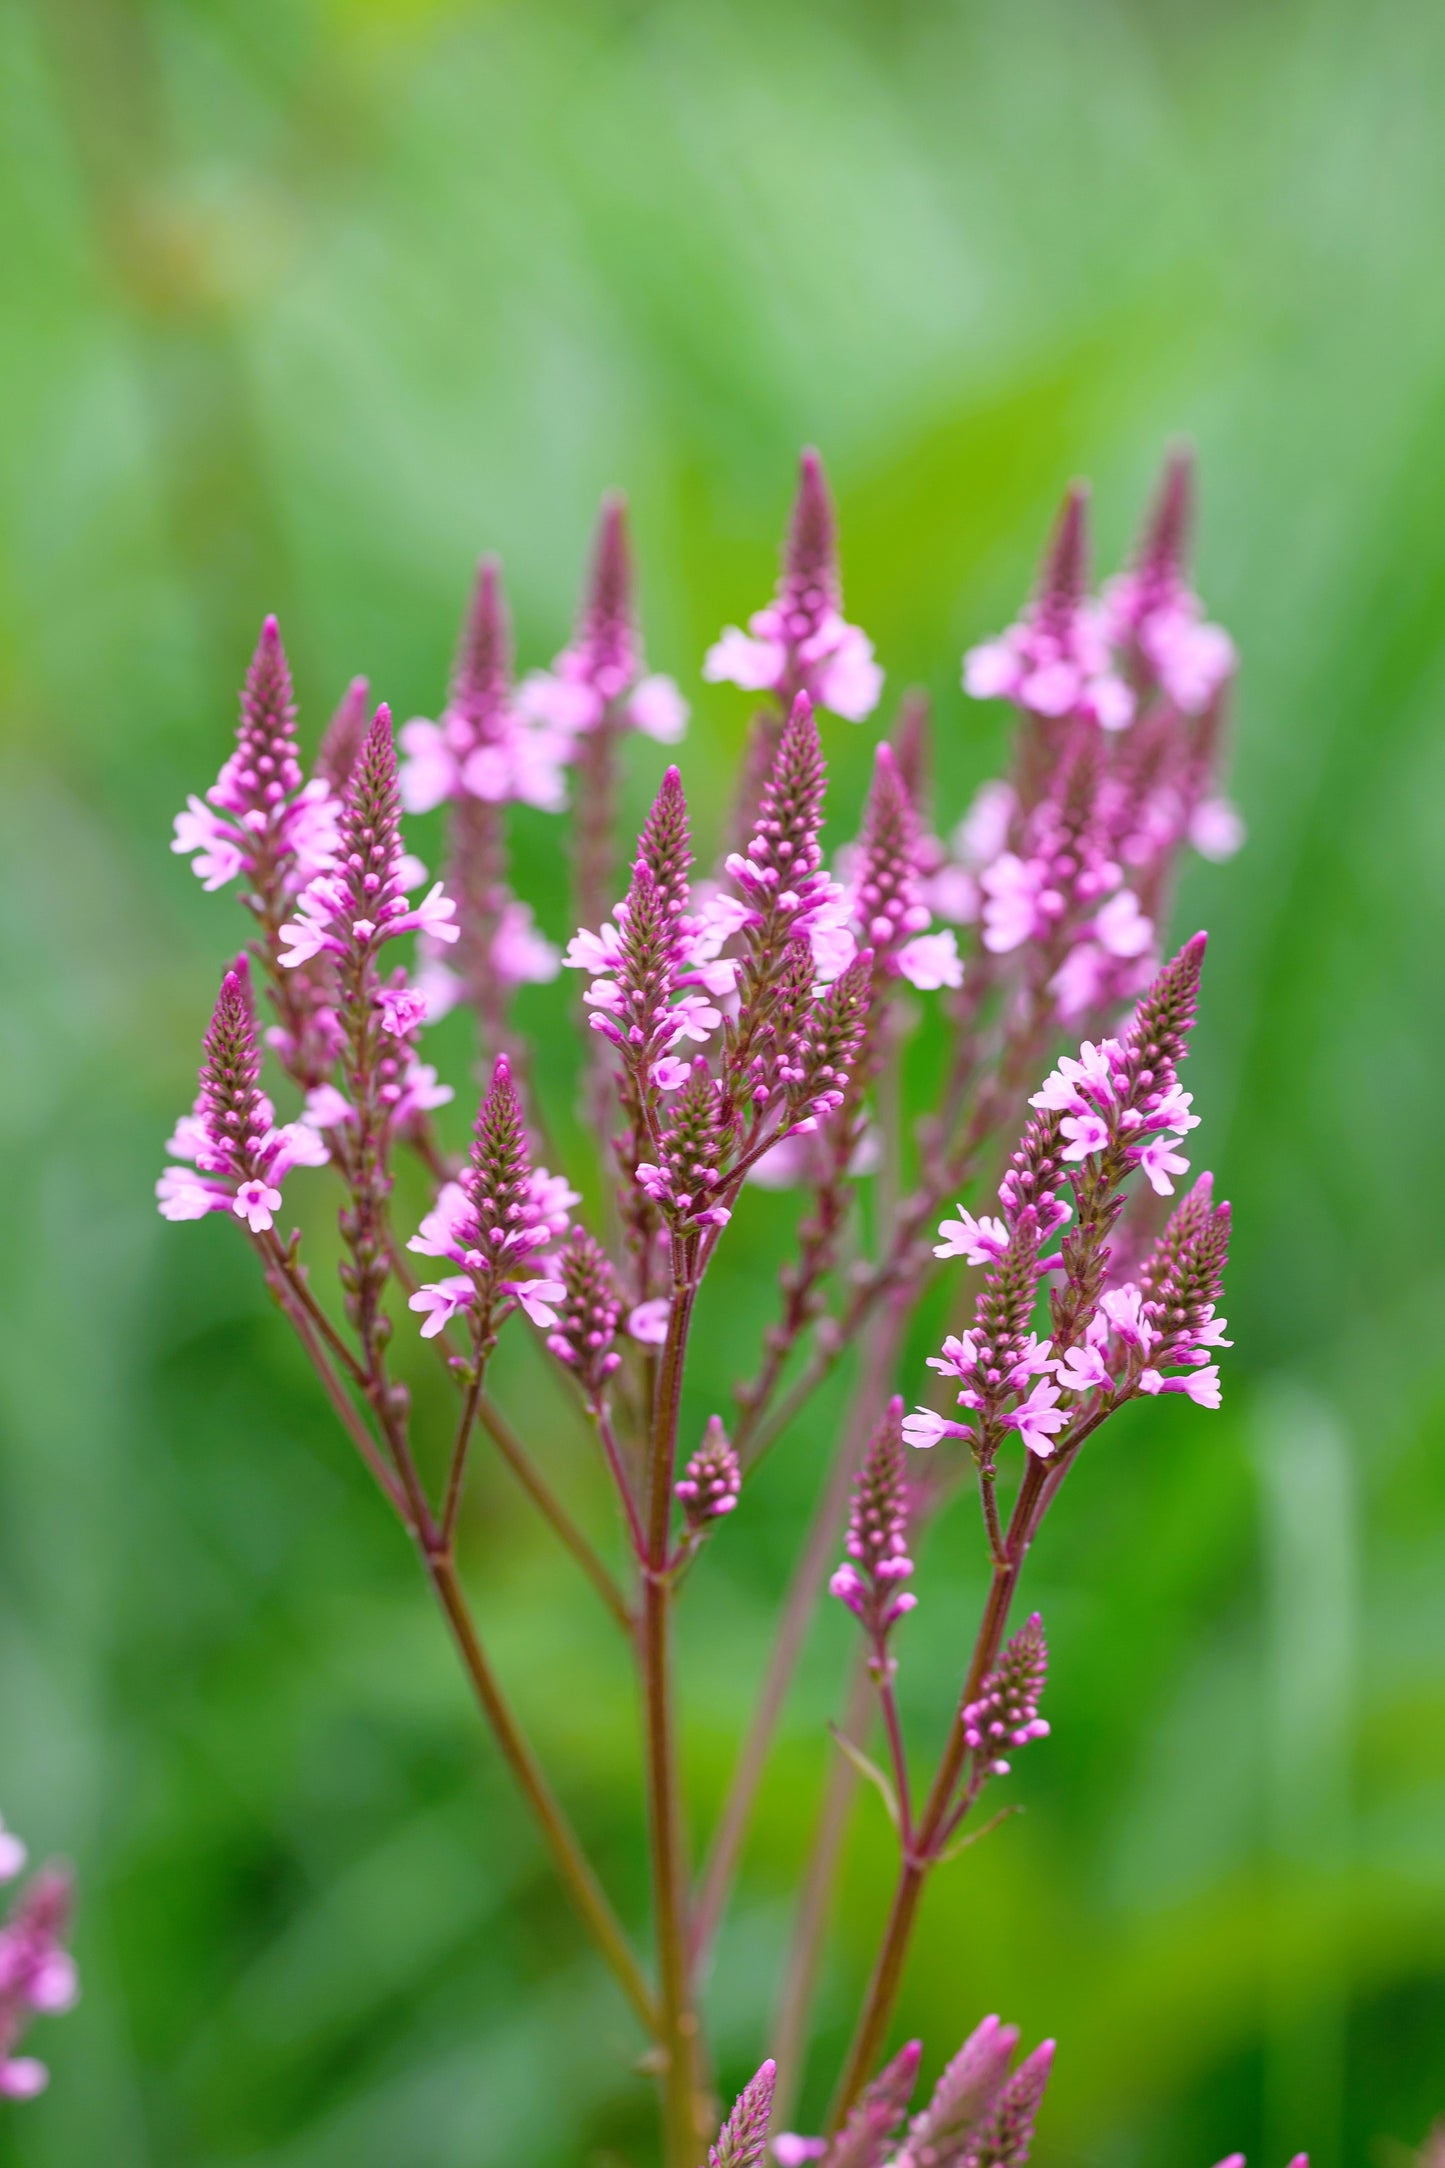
665,844
911,743
590,1310
824,1048
800,642
688,1175
352,910
712,1481
336,755
1064,577
869,1579
1006,1713
781,876
743,2138
810,554
965,2097
1006,2142
1163,558
864,2139
482,677
492,1223
608,610
238,1158
37,1976
889,913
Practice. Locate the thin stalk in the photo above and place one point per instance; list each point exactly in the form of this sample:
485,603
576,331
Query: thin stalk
803,1592
336,1392
790,2026
922,1855
457,1469
571,1862
612,1453
678,2032
552,1510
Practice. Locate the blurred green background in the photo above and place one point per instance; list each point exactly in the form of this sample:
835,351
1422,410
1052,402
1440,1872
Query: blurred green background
304,305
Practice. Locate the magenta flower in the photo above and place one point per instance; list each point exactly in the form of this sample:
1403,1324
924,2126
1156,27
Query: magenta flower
1153,615
886,889
801,643
976,1241
742,2141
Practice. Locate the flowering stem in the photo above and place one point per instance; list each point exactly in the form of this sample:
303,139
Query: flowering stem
552,1510
790,2026
803,1592
612,1452
456,1471
335,1391
678,2032
571,1862
934,1823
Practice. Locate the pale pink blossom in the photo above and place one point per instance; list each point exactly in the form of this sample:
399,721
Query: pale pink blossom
923,1428
1082,1369
1215,829
439,1302
12,1853
536,1298
403,1010
1160,1162
976,1241
1086,1133
930,961
1201,1386
1039,1418
648,1321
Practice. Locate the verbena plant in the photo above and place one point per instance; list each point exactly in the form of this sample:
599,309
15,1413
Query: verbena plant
745,1025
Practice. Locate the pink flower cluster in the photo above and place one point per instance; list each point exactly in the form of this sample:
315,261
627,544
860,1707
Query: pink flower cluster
877,1541
1006,1713
37,1973
1115,1108
260,817
600,678
233,1156
493,1221
801,642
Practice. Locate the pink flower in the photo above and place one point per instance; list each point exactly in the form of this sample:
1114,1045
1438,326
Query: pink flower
791,2151
535,1297
658,710
521,956
1082,1369
1202,1386
976,1241
22,2077
923,1428
1215,829
1122,1307
403,1010
668,1073
931,960
648,1321
255,1202
1160,1161
12,1853
1121,926
1086,1133
439,1302
1039,1418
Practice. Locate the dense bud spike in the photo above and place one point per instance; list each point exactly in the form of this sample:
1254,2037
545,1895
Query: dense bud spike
500,1174
863,2140
482,675
791,813
911,742
877,1541
607,628
589,1314
1165,1015
1006,1713
665,846
744,2136
827,1042
688,1174
810,557
1163,554
1064,578
966,2095
1006,2142
712,1480
337,753
234,1110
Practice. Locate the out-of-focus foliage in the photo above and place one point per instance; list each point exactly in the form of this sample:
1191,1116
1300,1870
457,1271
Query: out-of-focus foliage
305,303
